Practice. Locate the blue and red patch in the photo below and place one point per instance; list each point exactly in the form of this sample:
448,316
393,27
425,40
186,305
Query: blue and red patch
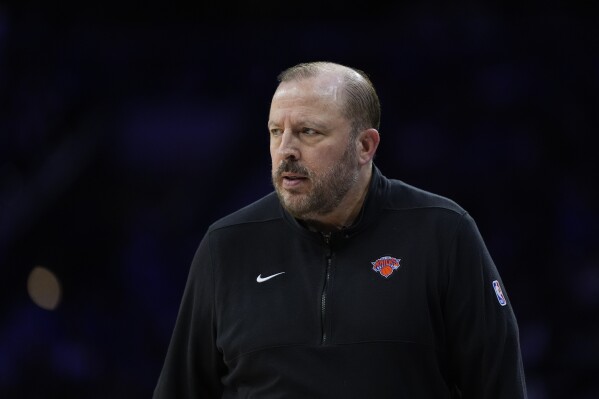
385,265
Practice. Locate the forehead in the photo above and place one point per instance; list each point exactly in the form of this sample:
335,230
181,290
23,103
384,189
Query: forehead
325,85
321,94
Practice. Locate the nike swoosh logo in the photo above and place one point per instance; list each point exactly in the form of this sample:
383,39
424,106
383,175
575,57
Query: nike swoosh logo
261,279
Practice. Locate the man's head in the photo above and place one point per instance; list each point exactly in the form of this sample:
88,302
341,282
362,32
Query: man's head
323,135
361,104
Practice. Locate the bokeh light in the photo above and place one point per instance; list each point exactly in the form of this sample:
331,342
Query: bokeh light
44,288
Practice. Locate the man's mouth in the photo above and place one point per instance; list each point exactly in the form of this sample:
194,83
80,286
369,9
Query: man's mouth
287,176
292,176
290,180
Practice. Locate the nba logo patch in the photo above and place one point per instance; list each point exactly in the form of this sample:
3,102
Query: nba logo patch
386,265
499,293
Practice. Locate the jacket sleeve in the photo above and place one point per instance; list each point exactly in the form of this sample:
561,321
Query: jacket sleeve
193,363
483,344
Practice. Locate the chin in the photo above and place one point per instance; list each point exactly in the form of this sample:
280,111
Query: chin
295,206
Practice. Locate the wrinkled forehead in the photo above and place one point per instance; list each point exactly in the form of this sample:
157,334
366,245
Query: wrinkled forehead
327,87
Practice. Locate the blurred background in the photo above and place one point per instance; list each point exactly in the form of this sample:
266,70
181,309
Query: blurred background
126,130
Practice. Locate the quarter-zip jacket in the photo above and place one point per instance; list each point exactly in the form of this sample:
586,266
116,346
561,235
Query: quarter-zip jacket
406,303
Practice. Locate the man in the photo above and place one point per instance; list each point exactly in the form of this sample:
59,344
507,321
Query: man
342,283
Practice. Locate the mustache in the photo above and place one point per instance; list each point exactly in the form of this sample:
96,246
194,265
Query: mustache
288,166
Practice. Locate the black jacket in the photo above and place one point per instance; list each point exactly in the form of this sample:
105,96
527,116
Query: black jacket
406,303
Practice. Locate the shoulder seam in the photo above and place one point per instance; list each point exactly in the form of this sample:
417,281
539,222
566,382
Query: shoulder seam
460,212
229,225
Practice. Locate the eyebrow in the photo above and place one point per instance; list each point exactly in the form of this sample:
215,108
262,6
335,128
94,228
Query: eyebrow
303,122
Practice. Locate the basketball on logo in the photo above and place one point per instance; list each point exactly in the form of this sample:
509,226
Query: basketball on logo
386,271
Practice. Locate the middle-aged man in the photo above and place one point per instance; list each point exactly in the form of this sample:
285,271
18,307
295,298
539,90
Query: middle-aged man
342,283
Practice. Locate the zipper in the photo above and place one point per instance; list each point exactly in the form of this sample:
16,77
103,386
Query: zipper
323,297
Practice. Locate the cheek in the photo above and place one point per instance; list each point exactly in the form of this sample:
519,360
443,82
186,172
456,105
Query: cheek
273,156
323,158
275,160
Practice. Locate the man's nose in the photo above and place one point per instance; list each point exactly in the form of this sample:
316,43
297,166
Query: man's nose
288,147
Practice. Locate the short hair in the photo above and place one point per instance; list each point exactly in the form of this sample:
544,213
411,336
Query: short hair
362,106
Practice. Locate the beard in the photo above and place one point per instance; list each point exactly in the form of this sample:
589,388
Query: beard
328,188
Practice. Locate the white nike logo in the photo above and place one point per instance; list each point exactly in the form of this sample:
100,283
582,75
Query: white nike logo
261,279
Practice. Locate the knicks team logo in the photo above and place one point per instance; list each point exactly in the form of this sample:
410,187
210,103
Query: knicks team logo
386,265
499,293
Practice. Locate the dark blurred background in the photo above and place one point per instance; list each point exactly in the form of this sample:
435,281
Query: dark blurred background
125,130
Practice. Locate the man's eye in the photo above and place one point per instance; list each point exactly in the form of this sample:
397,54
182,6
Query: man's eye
309,131
275,132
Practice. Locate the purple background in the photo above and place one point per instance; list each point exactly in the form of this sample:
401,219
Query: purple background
125,131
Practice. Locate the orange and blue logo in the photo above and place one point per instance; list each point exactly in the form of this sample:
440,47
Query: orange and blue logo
386,265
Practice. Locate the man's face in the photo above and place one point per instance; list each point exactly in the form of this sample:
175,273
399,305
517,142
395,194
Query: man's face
314,159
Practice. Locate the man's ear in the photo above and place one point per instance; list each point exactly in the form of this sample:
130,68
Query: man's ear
368,142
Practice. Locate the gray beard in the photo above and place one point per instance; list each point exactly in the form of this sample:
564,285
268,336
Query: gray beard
328,189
